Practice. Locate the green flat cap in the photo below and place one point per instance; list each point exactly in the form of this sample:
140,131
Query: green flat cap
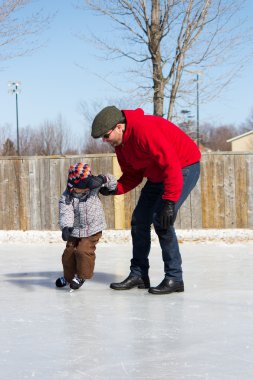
105,120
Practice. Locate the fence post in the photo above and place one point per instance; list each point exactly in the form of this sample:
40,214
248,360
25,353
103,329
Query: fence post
119,200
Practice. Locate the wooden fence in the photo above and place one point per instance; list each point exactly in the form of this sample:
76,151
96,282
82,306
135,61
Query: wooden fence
30,188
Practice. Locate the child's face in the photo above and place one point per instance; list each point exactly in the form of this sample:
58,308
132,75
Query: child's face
79,191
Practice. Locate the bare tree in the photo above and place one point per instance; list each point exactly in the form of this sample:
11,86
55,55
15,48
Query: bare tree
215,138
89,145
28,141
247,125
17,28
25,141
9,148
5,133
169,40
52,137
92,146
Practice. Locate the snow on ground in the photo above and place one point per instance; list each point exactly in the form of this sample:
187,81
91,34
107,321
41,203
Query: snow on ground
96,333
204,333
124,236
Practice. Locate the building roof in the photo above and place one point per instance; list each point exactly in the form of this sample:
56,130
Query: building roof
240,136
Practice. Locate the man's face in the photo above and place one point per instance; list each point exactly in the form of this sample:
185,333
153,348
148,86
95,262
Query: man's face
115,136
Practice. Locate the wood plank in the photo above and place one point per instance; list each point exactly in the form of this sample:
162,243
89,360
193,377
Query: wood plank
6,189
3,182
241,192
55,192
229,191
24,201
128,209
45,210
177,223
119,200
64,164
15,207
249,171
218,192
34,196
196,206
185,214
105,166
207,198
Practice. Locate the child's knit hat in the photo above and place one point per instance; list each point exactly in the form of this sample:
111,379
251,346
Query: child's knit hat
79,176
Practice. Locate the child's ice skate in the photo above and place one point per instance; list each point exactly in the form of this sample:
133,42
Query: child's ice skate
60,282
76,283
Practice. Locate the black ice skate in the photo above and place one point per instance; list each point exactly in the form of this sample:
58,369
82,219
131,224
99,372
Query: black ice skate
76,283
60,282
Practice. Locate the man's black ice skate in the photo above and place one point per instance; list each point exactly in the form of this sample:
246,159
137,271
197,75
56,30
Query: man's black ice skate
60,282
76,283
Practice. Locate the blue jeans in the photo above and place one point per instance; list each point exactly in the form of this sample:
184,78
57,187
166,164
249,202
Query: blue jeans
147,212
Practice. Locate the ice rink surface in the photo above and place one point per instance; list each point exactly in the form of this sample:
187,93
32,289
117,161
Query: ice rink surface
205,333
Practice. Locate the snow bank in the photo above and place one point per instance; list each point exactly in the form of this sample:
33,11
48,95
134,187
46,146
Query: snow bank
124,236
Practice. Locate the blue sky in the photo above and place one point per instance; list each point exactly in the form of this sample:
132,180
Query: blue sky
56,78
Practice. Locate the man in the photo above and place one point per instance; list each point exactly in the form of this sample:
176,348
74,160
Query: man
152,147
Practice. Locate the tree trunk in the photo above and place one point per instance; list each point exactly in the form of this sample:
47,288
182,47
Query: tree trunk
158,97
155,39
173,93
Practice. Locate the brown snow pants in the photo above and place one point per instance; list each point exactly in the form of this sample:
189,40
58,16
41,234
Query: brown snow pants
79,257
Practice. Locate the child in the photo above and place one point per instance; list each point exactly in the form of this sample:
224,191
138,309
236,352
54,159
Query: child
81,219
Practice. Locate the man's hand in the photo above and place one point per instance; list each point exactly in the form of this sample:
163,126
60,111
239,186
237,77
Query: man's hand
167,214
105,191
66,233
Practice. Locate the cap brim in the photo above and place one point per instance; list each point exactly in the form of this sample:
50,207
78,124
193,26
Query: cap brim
95,136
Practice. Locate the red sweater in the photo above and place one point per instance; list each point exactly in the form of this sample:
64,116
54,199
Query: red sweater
155,148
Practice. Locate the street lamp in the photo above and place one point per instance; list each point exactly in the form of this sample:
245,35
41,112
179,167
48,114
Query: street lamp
197,95
15,88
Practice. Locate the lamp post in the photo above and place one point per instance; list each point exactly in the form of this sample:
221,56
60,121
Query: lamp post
14,88
197,99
